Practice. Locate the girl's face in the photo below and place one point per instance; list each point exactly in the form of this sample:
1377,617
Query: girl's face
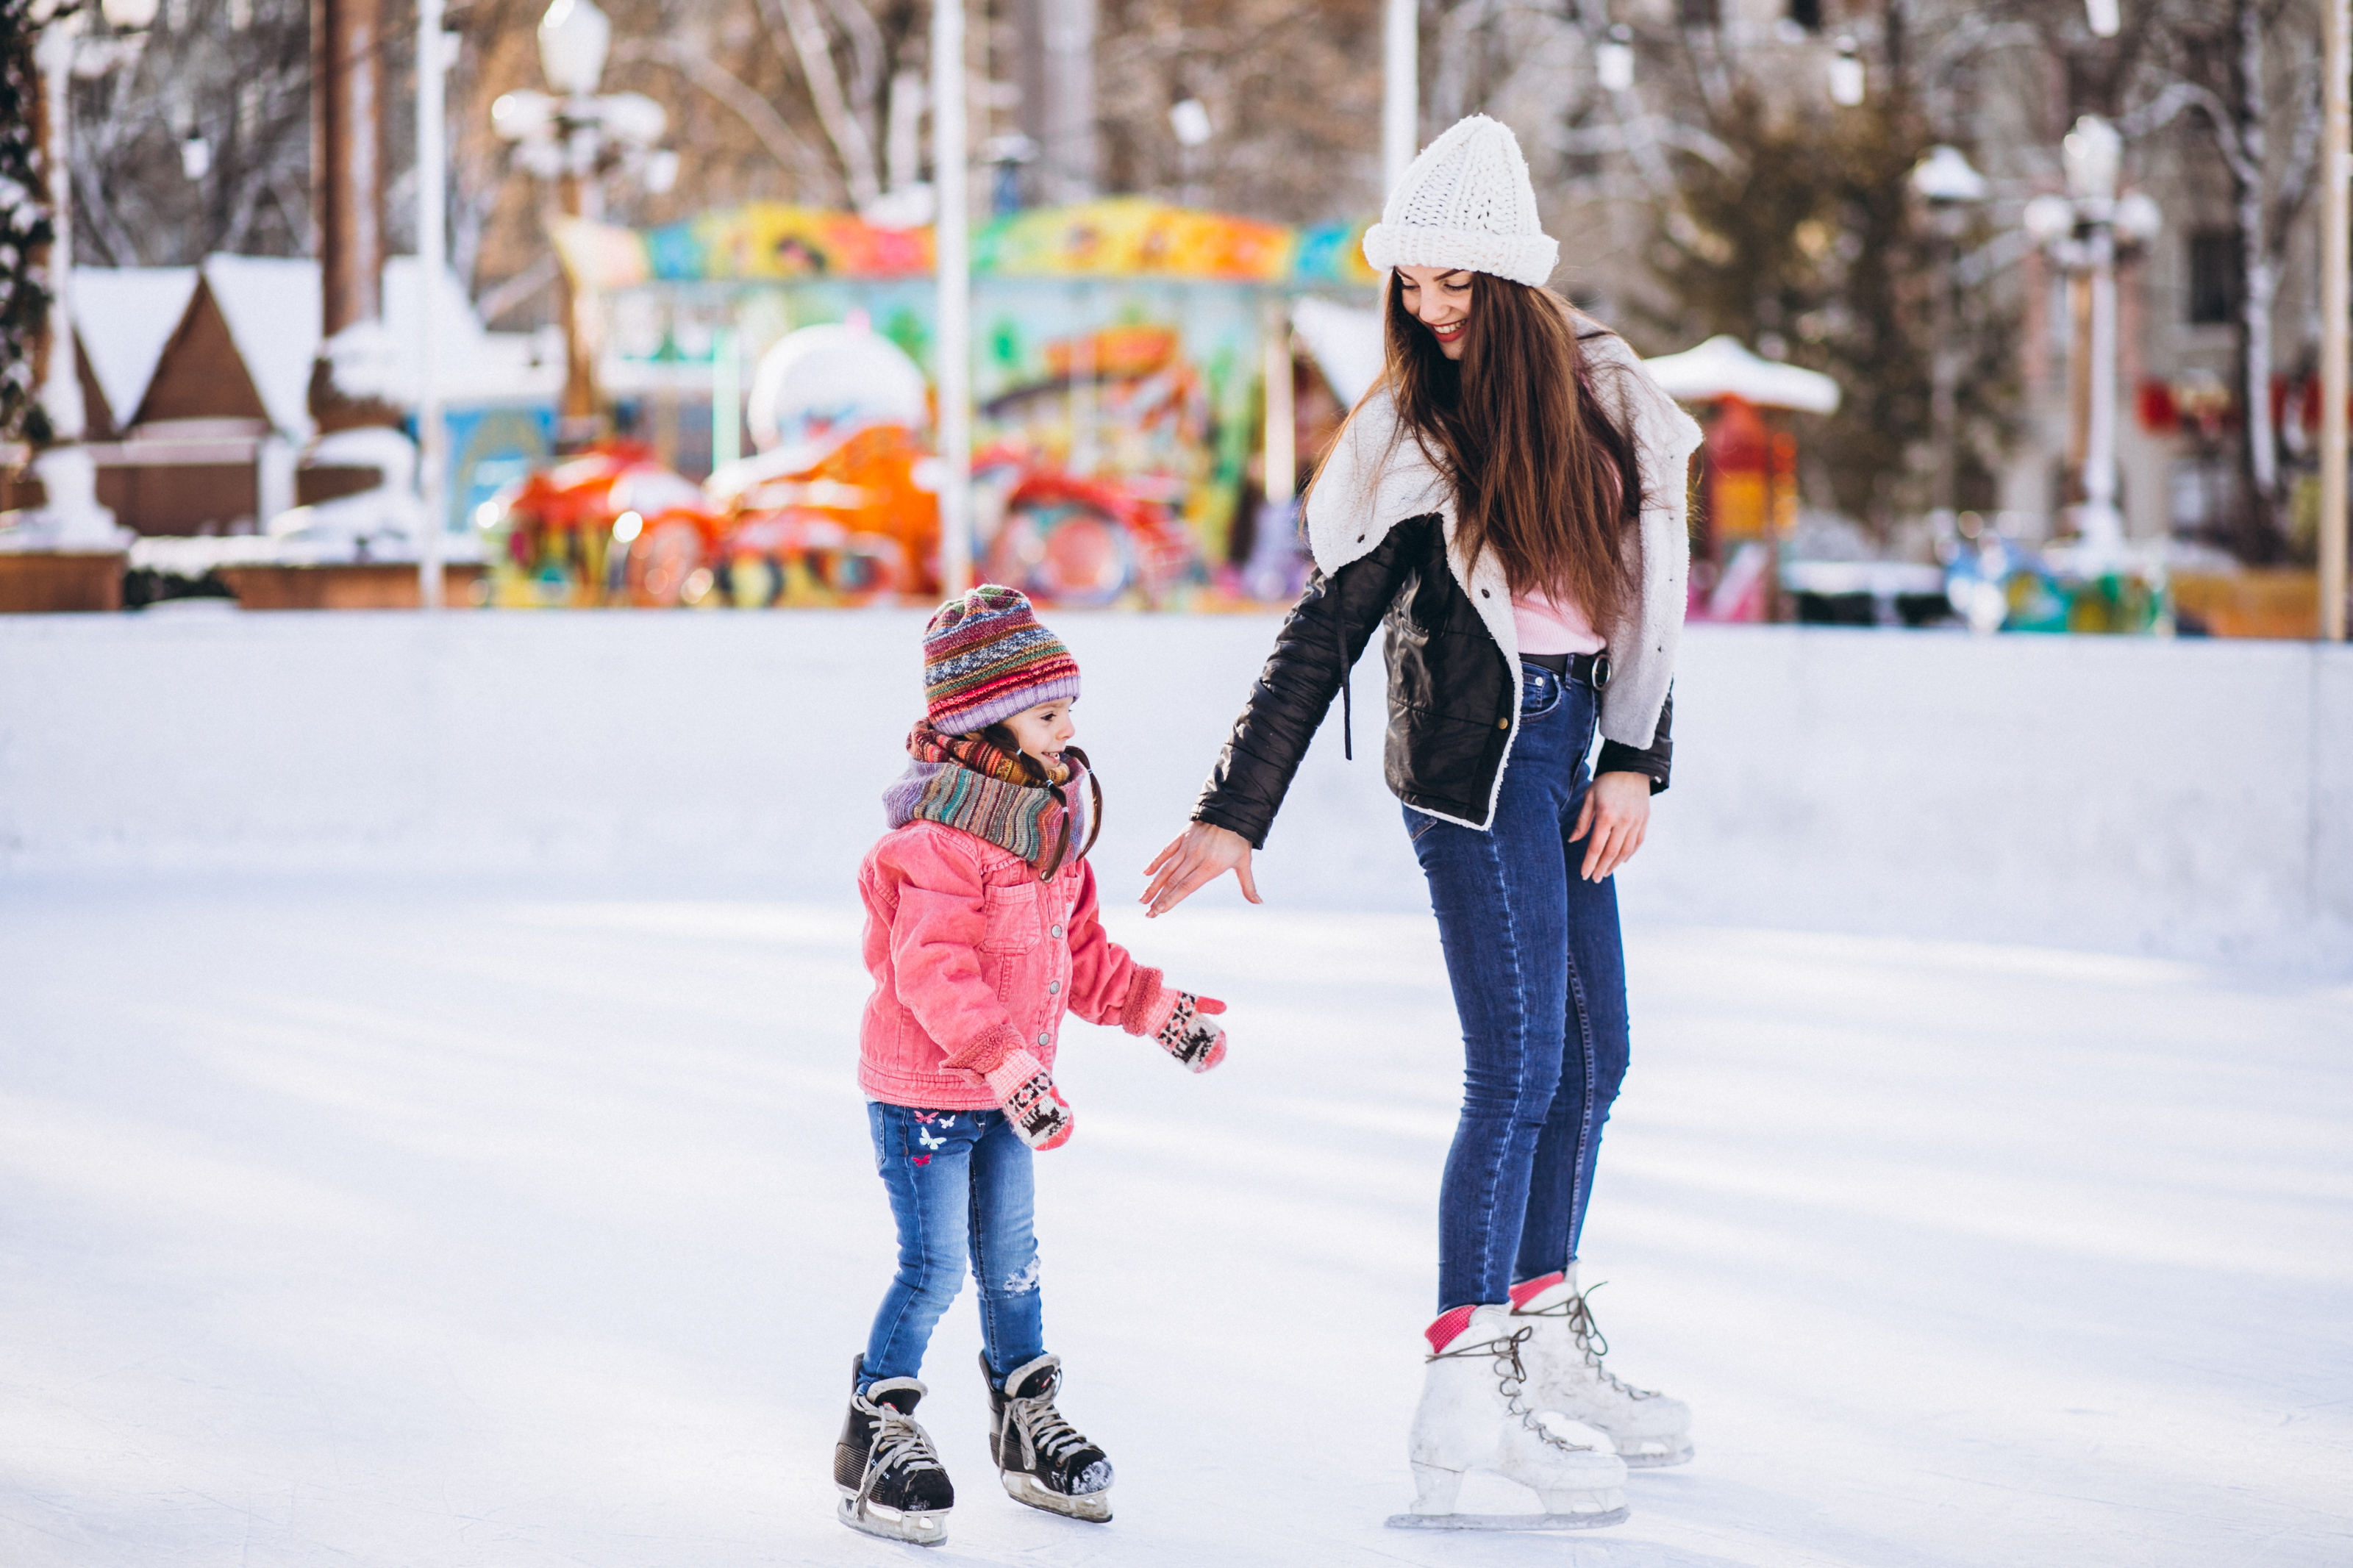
1439,298
1044,731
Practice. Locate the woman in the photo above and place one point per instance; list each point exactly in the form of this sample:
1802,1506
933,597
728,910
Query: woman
1510,499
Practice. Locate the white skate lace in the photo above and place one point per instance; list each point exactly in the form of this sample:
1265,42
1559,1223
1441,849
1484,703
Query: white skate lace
1043,1430
1590,1340
1511,1378
899,1442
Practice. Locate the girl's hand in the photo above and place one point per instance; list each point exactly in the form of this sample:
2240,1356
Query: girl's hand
1202,855
1616,813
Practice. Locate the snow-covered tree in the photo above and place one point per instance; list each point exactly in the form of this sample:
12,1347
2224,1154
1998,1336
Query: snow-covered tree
23,225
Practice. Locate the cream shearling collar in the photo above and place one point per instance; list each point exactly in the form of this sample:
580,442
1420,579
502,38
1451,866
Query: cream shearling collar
1377,476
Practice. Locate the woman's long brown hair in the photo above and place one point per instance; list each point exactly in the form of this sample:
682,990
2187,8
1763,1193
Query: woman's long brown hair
1541,477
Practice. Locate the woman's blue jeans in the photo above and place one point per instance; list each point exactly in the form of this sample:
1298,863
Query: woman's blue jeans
960,1189
1539,977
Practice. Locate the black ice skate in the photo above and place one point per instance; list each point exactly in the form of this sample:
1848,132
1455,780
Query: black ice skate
891,1483
1043,1460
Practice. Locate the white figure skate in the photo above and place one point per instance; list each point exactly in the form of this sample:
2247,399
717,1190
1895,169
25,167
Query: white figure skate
1476,1415
1563,1356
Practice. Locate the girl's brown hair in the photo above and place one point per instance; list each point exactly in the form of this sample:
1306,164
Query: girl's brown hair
1541,477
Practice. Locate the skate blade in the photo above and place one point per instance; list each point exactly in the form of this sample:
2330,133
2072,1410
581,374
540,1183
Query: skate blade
1506,1520
924,1528
1639,1460
1094,1507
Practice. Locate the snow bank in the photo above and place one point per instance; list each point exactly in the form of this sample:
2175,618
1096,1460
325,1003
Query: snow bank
2186,797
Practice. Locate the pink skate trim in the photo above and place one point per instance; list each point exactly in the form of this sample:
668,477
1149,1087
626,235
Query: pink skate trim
1448,1328
1527,1291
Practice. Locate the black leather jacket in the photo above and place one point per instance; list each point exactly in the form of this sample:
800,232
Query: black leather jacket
1452,694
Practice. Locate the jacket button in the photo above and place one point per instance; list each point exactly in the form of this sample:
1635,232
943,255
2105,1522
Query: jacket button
1502,723
1041,1039
1057,931
1053,988
1485,594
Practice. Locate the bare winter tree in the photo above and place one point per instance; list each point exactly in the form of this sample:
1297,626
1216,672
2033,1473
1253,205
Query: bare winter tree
2246,74
199,138
812,101
1292,94
1781,217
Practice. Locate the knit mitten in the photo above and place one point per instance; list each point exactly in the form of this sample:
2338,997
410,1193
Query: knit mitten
1178,1020
1040,1115
1032,1104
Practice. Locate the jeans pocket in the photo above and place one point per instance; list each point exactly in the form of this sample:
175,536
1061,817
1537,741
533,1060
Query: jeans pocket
1421,829
1540,693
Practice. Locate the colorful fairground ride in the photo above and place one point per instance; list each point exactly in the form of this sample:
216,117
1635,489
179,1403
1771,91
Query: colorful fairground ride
1118,351
838,505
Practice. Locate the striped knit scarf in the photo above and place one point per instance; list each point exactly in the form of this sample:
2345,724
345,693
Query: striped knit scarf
965,782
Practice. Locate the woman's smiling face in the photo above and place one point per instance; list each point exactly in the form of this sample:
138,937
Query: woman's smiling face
1439,298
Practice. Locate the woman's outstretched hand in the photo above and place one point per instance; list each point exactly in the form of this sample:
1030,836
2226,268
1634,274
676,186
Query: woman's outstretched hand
1616,813
1199,857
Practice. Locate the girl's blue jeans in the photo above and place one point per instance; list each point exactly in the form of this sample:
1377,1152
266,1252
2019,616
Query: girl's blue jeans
1539,977
960,1189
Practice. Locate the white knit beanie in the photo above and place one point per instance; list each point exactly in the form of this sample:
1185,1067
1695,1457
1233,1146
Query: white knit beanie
1466,203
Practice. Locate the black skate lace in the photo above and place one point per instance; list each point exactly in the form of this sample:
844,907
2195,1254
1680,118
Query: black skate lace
1511,1379
1590,1340
899,1443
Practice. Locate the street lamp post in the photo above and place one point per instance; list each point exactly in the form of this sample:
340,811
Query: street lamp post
2336,306
1946,182
435,56
574,138
1400,90
952,309
2083,232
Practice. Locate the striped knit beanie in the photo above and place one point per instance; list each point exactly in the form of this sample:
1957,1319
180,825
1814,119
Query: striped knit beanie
985,659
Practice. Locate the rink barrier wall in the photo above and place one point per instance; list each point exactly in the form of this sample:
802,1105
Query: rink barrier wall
2181,796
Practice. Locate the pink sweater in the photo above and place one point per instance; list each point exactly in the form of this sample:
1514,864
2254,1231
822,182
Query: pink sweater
972,957
1547,625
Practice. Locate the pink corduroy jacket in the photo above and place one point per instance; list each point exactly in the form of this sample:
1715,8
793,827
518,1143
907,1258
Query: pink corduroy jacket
972,956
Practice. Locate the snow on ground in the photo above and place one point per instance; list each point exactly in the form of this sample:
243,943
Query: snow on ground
398,1227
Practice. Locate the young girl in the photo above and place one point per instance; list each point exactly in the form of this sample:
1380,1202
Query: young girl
981,933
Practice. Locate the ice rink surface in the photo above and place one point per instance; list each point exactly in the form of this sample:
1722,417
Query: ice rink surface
403,1227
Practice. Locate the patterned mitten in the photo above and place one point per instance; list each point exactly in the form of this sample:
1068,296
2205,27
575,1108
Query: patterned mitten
1179,1021
1040,1115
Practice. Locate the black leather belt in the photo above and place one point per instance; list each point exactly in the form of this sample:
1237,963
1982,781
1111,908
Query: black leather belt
1592,669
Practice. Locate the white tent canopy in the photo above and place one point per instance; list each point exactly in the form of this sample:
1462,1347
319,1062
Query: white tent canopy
123,318
1723,367
271,306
